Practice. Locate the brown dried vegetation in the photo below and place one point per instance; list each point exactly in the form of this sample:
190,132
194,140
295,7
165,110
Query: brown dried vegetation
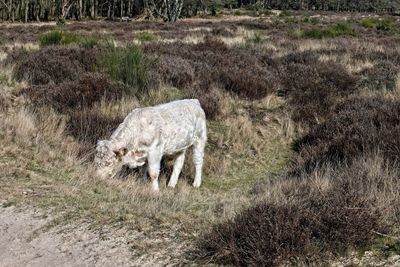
357,126
71,95
310,218
52,64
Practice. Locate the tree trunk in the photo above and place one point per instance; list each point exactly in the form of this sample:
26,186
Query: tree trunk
26,11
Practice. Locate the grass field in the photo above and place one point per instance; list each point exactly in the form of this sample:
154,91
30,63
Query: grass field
303,122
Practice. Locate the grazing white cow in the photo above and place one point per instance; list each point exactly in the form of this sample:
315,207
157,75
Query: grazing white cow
147,134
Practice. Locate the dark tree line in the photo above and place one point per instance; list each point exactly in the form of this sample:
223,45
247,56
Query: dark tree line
335,5
169,10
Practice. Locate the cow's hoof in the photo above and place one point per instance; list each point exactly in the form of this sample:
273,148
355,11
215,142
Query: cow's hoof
196,184
171,185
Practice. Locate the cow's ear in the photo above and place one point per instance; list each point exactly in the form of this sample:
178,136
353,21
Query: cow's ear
121,152
140,154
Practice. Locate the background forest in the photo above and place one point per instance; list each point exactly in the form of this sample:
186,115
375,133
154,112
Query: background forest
170,10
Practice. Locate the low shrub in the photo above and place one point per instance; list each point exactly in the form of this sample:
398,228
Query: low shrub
221,31
172,70
382,76
238,70
355,126
73,95
128,65
210,100
61,21
308,220
238,13
312,88
53,64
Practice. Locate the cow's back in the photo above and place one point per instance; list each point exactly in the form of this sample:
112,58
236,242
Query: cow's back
179,123
176,124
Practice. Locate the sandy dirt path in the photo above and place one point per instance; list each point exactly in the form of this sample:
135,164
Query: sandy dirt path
23,242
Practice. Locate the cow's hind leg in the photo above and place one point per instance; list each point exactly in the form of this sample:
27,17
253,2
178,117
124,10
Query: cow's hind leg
198,155
178,164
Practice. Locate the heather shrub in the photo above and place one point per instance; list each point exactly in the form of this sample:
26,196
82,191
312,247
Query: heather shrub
71,95
221,31
355,126
237,70
174,71
307,220
313,88
210,100
53,64
382,76
240,78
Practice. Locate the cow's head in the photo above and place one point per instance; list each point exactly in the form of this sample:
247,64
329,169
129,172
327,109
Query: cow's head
109,159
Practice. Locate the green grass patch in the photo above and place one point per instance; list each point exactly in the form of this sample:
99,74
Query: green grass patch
58,37
146,36
369,22
386,24
128,65
3,40
285,13
295,33
341,29
311,20
386,247
61,21
253,39
238,13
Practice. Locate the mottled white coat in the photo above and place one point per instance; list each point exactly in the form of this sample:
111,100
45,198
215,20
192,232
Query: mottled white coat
147,134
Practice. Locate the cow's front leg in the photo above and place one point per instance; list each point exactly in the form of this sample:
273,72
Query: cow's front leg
178,164
154,161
